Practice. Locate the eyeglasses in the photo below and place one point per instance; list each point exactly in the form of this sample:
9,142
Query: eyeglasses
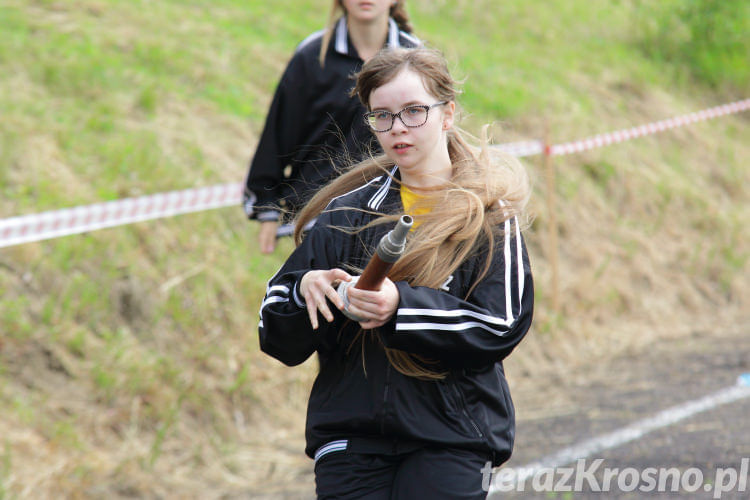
410,116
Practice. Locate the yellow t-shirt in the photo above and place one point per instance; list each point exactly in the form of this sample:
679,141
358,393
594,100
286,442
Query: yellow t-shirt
409,198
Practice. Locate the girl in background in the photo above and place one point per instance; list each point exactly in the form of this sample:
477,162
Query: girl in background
412,401
313,122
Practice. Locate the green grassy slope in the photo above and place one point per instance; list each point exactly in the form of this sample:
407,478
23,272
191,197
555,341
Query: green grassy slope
128,356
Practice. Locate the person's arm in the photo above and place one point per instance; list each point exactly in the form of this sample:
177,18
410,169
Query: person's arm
281,136
267,235
468,333
285,329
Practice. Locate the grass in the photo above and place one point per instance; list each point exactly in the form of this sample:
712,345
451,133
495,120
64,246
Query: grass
120,346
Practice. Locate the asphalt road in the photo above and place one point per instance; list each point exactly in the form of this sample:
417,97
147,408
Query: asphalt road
693,455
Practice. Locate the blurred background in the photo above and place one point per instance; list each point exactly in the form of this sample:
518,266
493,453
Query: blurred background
129,362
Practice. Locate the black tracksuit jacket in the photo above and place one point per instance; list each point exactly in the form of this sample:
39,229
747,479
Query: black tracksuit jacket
312,125
366,401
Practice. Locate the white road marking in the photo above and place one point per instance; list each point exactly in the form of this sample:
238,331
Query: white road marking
636,430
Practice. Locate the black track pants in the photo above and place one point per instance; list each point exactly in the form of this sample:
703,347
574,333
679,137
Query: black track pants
426,473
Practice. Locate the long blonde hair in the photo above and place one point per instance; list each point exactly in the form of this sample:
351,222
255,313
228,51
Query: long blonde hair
397,12
465,217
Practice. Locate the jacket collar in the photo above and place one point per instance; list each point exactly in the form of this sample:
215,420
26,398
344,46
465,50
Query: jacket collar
342,36
387,197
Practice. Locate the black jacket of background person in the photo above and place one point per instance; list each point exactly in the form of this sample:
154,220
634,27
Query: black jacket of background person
312,125
367,403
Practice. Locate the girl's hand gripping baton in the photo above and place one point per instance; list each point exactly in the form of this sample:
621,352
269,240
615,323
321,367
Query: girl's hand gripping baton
390,248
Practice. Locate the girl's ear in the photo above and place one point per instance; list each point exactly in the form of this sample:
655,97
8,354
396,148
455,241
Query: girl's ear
449,111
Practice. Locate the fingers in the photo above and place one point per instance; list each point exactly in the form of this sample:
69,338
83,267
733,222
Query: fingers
375,307
370,324
324,310
315,301
338,275
315,293
334,297
312,313
315,287
378,318
369,305
267,236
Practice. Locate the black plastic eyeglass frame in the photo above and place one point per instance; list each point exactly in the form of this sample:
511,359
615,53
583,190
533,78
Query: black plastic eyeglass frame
426,108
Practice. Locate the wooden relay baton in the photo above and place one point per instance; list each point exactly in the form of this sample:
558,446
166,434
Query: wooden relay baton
390,248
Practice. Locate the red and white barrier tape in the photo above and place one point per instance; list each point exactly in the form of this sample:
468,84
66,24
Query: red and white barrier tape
600,140
54,224
57,223
82,219
521,148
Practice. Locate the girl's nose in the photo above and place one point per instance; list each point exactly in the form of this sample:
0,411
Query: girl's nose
398,126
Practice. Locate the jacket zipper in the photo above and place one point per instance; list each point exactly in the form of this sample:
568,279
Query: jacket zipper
462,402
385,397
